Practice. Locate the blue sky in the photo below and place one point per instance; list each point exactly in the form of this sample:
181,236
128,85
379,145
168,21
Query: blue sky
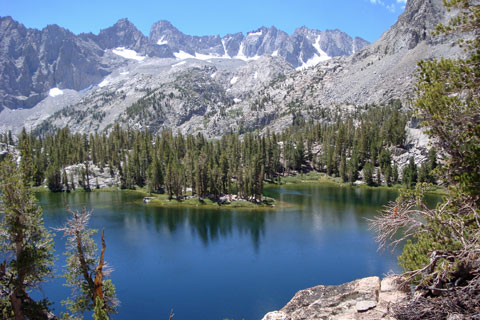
365,18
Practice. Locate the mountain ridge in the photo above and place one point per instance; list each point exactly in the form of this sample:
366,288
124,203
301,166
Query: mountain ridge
33,61
212,95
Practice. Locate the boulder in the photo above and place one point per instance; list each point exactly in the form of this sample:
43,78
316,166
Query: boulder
363,299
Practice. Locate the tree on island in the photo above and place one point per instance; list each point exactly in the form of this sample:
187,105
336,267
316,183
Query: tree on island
442,252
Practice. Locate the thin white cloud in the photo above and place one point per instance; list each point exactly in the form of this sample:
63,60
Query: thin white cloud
402,3
390,6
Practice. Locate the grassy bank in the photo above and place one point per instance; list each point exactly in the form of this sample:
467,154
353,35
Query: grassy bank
317,177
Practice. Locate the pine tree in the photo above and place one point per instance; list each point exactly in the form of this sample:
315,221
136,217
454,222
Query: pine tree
27,243
65,181
395,179
440,256
85,271
368,173
99,312
343,169
379,177
54,178
409,174
388,175
26,162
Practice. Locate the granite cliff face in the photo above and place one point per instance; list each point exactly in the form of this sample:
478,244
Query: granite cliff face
124,34
34,61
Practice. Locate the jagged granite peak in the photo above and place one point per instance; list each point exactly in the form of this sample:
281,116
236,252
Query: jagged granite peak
122,34
164,33
359,44
378,73
413,26
33,61
297,49
231,43
333,42
267,41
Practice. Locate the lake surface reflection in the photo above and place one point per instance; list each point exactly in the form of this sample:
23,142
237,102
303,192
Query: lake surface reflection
237,264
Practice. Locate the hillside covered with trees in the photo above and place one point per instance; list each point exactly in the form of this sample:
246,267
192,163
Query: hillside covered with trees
355,146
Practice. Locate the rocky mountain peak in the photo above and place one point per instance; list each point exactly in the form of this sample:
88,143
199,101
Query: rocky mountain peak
123,23
122,34
7,23
414,25
297,49
34,61
161,29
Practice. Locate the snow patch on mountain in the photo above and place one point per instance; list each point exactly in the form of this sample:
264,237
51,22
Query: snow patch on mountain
161,41
201,56
323,54
258,34
128,54
241,54
225,55
182,55
104,83
54,92
178,64
234,80
316,59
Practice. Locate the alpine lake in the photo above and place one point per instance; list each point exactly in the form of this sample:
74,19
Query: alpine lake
225,263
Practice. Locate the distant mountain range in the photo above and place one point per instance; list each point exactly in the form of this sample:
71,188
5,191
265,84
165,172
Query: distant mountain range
208,85
34,61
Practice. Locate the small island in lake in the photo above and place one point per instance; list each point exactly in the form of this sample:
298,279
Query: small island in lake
223,201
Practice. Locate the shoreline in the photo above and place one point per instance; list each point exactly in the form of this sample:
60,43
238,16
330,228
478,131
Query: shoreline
161,200
313,177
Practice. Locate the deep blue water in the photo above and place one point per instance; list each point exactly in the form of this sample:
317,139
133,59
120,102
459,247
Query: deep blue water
237,264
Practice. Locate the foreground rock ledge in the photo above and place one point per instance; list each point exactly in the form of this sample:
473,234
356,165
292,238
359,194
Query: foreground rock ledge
365,299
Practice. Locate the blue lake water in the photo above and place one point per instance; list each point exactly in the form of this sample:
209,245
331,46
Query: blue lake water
217,264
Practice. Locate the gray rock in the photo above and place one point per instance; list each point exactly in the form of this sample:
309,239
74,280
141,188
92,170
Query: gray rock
366,299
363,306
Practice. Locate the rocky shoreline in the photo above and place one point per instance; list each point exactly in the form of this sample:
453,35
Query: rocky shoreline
363,299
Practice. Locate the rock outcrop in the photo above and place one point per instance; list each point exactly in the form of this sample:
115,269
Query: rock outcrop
363,299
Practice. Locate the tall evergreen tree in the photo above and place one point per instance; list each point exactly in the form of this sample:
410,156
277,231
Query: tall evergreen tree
25,244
